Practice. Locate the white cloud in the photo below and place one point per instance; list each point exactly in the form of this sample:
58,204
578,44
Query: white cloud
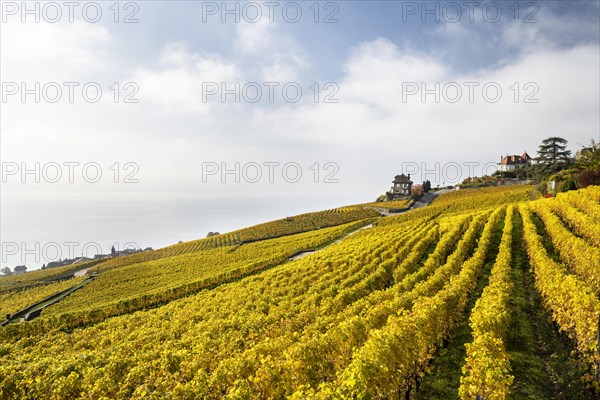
276,55
369,133
255,38
376,70
371,111
178,85
60,51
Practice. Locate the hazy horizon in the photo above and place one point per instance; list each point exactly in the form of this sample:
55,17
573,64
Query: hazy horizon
155,122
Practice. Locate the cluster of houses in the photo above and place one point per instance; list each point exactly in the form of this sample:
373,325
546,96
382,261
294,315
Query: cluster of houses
79,260
402,185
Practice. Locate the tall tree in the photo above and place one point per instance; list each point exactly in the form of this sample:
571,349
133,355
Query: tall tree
589,157
553,152
426,186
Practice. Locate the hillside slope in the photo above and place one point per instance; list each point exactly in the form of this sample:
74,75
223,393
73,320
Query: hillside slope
363,318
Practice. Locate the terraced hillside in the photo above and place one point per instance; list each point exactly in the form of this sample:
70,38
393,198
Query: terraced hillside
486,292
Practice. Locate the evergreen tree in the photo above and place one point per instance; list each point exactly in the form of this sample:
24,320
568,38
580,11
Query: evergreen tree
553,152
426,186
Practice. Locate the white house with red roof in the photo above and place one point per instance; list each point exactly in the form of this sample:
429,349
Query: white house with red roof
512,162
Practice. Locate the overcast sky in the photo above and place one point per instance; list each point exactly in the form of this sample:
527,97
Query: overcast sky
304,106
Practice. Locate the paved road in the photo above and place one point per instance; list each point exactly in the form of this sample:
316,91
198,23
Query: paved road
81,272
423,201
428,198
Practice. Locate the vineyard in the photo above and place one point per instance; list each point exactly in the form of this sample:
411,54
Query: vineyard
395,205
485,292
269,230
32,279
14,300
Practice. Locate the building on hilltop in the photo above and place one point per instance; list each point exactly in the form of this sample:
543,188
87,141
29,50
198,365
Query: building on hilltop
402,186
19,269
512,162
80,260
121,253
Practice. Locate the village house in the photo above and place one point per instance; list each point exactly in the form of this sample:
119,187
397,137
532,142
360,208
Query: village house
402,186
512,162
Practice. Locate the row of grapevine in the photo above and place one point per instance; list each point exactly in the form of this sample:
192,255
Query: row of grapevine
234,373
350,329
472,199
171,278
281,283
593,193
213,242
582,203
487,369
195,332
303,223
577,253
407,273
310,358
16,300
393,357
361,318
41,277
467,200
393,205
573,303
269,230
580,222
411,260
